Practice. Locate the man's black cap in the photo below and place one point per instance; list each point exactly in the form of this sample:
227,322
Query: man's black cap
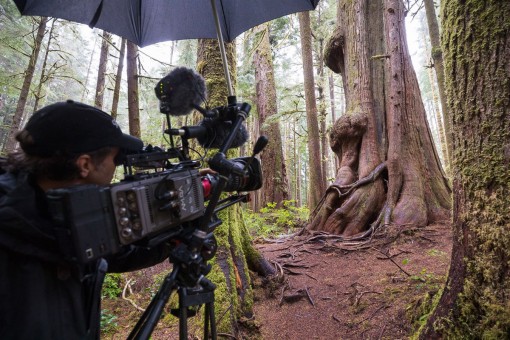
75,128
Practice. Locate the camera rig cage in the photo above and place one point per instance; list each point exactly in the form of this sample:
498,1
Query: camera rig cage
168,204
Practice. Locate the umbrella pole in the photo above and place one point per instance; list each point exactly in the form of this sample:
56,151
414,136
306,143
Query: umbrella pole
222,48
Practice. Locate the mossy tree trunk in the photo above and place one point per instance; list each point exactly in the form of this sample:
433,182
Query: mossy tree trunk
475,303
384,133
236,255
275,188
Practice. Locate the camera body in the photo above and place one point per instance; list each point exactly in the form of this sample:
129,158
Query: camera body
100,220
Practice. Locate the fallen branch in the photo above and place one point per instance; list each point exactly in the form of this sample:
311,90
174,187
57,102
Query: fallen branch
395,263
309,296
124,296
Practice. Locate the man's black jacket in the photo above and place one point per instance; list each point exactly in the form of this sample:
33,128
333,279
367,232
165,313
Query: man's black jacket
42,296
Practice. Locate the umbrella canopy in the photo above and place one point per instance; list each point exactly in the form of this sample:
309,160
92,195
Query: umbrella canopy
145,22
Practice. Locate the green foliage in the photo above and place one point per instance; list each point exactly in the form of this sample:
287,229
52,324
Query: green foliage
271,221
108,322
111,286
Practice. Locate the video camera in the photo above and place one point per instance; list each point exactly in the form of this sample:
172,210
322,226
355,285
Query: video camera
158,199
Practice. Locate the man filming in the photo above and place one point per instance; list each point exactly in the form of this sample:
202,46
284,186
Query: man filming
43,294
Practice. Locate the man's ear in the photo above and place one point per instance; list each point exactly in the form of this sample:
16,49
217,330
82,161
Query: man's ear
85,165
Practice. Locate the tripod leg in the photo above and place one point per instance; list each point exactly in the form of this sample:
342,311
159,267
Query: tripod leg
209,322
144,327
183,315
207,315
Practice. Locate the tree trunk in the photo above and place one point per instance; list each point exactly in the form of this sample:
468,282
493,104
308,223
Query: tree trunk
118,78
275,188
475,302
38,93
11,143
331,82
437,57
234,295
132,80
316,187
384,132
101,73
321,98
89,68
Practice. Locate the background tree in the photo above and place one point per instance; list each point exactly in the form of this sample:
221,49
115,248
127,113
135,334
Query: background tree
102,69
45,74
235,255
11,142
275,190
437,58
475,301
132,82
118,78
385,126
316,183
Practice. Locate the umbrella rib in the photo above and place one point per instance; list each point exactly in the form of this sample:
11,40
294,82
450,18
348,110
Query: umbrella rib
94,20
225,21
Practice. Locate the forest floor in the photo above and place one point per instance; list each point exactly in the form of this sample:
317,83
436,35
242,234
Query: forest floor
330,289
349,290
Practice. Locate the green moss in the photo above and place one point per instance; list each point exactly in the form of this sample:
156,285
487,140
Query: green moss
419,311
474,36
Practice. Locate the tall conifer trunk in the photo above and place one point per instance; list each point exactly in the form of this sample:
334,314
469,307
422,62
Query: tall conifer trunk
316,183
132,82
275,188
384,133
234,295
11,143
475,303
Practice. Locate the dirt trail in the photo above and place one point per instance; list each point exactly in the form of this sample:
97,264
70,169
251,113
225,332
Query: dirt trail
369,293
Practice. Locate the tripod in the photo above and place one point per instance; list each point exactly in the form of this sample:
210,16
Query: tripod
188,296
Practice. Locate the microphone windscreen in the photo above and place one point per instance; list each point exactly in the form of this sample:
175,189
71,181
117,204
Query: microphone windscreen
217,134
180,91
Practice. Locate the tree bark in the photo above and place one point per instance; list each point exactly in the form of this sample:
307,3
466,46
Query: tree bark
316,187
11,143
275,188
101,73
118,78
437,57
44,77
234,295
475,301
132,82
384,132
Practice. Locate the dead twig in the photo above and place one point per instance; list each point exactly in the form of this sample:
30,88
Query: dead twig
373,314
310,276
281,298
395,263
124,296
309,296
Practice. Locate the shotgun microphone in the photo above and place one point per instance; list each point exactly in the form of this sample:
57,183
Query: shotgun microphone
181,91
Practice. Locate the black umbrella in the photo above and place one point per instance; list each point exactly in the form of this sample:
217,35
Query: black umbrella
146,22
150,21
